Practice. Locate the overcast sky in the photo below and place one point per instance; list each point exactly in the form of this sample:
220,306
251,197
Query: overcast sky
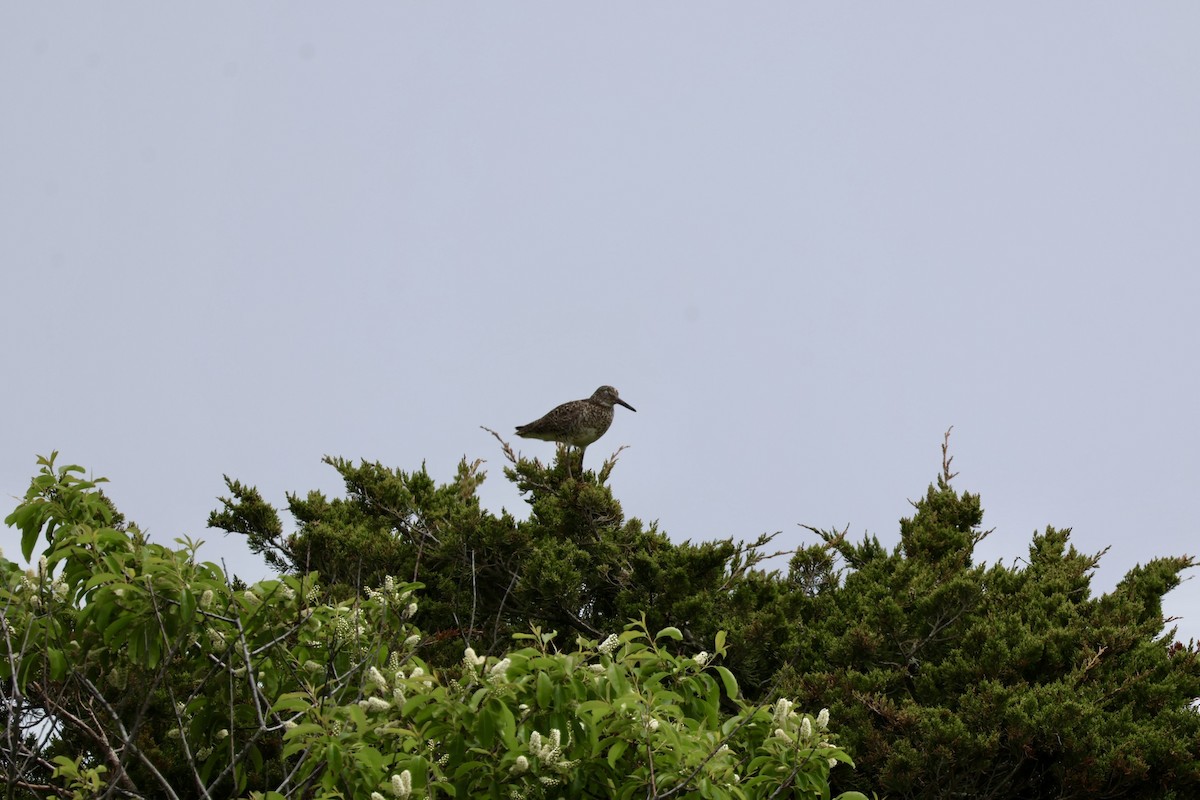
802,240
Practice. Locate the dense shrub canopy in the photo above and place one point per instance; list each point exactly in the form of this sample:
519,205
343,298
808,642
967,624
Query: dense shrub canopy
944,677
131,669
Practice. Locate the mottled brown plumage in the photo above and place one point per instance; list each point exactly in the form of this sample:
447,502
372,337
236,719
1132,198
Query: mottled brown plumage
577,423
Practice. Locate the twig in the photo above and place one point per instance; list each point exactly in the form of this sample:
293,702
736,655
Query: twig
947,475
504,446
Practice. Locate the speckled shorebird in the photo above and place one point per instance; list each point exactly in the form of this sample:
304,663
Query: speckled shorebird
577,423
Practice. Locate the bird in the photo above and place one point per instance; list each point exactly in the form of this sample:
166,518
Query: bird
577,423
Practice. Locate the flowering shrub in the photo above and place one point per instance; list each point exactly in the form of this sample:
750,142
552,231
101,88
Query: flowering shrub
614,719
132,666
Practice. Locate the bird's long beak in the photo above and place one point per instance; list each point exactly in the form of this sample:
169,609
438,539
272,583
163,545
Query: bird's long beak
622,402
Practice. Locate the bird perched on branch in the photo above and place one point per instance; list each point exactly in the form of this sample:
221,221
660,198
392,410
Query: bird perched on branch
577,423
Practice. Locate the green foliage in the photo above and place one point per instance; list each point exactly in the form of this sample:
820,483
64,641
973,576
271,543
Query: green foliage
83,782
948,678
161,677
576,565
960,680
952,678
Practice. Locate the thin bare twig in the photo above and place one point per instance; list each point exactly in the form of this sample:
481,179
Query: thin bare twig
947,459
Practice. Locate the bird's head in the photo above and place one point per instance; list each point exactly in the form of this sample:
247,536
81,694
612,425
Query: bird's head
607,395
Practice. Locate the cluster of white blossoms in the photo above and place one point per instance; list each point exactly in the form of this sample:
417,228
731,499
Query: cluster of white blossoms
471,661
401,786
609,645
390,594
118,677
313,594
786,728
375,678
375,682
394,667
419,674
183,717
702,658
348,623
374,704
782,711
499,671
216,638
33,583
548,750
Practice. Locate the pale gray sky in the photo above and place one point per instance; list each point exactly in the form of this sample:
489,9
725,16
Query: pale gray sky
801,239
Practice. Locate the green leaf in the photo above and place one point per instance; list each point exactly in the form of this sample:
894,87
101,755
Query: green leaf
67,767
545,690
153,648
28,520
99,578
58,663
730,682
597,708
187,606
616,751
113,632
333,757
292,701
485,727
507,725
256,759
671,632
415,704
371,757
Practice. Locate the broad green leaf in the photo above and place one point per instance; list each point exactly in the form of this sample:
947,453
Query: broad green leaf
616,751
507,725
545,690
371,757
485,727
671,632
256,759
292,701
597,708
58,663
26,518
333,757
99,578
187,606
727,679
